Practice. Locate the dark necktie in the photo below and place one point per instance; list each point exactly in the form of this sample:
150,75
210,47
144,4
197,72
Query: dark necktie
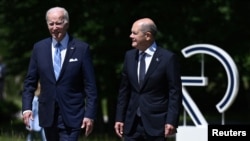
57,59
142,72
142,69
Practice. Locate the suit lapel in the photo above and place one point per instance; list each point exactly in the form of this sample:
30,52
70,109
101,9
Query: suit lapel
70,50
135,67
48,56
132,63
153,64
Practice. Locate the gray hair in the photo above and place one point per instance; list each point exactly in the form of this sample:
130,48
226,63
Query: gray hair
65,13
145,27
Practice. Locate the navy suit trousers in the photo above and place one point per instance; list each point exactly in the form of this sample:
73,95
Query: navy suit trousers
59,131
138,133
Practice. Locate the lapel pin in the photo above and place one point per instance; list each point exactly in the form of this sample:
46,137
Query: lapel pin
157,59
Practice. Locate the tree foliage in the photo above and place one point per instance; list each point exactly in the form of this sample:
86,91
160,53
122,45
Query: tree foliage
105,25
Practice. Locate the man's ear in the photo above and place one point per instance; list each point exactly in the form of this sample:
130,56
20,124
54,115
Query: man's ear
67,26
148,35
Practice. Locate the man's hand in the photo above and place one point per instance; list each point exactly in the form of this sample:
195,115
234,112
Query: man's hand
88,124
169,130
119,128
27,116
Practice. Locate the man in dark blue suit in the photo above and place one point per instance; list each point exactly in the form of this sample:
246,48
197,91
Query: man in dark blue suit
148,108
67,103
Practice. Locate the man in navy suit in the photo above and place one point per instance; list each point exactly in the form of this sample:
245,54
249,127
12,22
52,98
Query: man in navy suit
148,109
68,103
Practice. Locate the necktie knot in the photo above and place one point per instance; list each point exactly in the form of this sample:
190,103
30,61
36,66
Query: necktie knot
142,54
58,46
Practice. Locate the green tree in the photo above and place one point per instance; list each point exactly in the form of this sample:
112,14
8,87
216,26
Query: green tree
105,25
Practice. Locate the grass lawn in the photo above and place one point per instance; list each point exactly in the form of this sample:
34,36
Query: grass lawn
17,132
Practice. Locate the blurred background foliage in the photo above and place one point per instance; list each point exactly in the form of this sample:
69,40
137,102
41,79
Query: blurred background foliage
106,25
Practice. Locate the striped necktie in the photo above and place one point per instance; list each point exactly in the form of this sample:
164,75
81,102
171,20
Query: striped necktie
57,59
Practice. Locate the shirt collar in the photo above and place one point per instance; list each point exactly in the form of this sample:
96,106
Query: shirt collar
64,41
151,49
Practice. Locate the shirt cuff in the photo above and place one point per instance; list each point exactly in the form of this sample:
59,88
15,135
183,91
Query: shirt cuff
26,111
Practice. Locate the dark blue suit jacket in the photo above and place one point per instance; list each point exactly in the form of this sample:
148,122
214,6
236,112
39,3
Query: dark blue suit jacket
75,83
159,98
